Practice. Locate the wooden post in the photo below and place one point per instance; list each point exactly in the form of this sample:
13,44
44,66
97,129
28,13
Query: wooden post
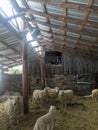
42,67
0,81
25,73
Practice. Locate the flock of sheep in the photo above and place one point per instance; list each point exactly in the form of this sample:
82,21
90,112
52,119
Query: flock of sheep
14,105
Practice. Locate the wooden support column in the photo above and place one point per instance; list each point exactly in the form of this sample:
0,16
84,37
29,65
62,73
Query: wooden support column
1,81
42,68
25,73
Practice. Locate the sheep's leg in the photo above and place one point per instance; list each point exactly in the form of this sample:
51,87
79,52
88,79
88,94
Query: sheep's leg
65,104
95,99
48,127
52,126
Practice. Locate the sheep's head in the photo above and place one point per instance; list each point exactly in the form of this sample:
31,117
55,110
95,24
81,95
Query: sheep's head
14,100
52,109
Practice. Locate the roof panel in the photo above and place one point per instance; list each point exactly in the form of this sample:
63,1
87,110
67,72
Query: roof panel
56,0
56,22
59,42
40,18
46,34
84,43
78,14
74,26
55,10
84,2
89,29
95,3
72,34
54,30
71,41
87,37
2,45
93,17
35,6
47,39
6,52
43,27
58,37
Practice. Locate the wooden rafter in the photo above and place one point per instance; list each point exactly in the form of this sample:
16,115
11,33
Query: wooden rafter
85,17
69,5
70,50
67,20
67,29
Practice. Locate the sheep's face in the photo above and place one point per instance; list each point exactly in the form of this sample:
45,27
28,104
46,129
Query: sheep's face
52,109
14,100
61,92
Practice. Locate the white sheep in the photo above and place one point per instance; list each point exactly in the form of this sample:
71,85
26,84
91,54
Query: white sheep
46,122
52,94
65,96
95,94
39,95
14,107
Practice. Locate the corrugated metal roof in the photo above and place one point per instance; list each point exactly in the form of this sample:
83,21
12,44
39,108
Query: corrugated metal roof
55,10
70,23
83,2
73,13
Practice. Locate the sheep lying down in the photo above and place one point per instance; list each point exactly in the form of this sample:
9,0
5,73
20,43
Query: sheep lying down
46,122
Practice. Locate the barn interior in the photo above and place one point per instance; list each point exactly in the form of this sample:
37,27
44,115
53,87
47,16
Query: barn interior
50,43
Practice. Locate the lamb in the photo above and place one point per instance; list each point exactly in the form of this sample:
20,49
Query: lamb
14,108
95,94
65,96
46,122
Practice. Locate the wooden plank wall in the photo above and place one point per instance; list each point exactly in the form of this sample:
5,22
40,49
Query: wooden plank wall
78,64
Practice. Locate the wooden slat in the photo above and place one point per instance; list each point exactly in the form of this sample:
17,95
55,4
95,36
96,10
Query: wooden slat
70,51
70,5
68,20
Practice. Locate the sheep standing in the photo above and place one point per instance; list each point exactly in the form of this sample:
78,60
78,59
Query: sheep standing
46,122
39,95
95,94
52,94
65,96
14,107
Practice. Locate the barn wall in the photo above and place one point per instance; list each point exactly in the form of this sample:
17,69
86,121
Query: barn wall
81,65
10,83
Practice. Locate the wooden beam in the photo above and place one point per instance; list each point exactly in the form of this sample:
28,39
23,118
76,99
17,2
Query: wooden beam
70,30
70,51
69,37
85,17
83,47
9,27
67,19
12,65
15,16
69,5
66,29
42,68
25,73
9,47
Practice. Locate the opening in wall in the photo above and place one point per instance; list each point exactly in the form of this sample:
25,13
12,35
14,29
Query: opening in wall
53,57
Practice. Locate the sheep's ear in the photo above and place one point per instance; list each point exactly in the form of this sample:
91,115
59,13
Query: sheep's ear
52,106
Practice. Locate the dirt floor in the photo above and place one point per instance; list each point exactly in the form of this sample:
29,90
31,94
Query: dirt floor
82,114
